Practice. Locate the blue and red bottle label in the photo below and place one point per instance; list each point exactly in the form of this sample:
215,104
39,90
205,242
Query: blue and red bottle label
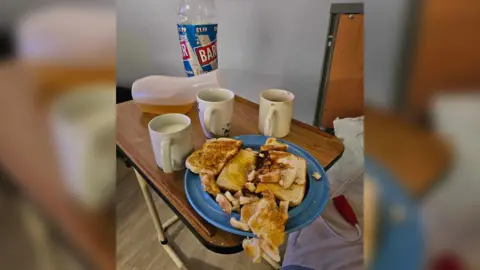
199,48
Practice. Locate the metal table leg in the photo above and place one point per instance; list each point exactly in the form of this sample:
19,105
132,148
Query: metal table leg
157,223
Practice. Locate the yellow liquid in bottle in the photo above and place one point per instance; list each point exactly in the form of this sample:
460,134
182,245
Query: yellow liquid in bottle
53,79
162,109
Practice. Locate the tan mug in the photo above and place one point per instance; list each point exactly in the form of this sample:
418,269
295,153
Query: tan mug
215,109
171,138
276,109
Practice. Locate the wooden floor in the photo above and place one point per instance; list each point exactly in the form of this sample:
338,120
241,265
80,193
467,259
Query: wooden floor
137,242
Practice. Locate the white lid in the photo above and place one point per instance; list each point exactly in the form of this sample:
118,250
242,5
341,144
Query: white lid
82,34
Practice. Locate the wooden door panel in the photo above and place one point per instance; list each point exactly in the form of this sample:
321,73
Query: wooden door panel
344,91
446,55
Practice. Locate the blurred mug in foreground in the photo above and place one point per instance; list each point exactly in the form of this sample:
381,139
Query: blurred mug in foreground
83,129
70,50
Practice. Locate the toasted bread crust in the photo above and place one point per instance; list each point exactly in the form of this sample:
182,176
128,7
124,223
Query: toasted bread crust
209,184
213,155
268,224
273,144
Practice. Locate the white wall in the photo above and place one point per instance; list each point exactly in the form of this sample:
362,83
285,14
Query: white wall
262,44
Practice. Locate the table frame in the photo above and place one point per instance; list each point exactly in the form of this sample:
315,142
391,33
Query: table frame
161,228
139,173
251,110
144,183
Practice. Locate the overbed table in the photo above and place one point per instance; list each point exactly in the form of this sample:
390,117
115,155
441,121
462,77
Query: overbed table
134,142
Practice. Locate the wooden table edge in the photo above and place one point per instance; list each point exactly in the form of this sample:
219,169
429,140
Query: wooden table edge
442,157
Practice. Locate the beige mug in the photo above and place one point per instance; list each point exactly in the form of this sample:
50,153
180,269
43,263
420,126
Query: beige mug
215,109
171,138
276,109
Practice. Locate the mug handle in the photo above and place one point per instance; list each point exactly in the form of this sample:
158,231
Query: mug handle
207,116
268,128
166,157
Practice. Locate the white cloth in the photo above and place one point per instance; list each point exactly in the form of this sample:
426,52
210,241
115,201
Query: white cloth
315,246
450,210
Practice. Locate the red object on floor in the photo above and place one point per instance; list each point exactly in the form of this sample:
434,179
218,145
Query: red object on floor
447,262
344,208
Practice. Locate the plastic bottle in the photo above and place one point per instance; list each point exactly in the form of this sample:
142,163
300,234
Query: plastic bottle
197,30
66,46
166,94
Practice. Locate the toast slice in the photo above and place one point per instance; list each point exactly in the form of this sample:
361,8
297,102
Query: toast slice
213,156
294,168
209,184
268,224
273,144
234,175
247,211
294,194
282,167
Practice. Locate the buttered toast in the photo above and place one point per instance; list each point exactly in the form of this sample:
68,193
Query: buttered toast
213,156
234,175
224,166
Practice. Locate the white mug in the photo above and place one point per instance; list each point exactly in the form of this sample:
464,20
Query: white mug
171,137
215,109
276,108
82,124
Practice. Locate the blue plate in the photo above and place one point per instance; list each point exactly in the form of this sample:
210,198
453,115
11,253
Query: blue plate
402,243
311,207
